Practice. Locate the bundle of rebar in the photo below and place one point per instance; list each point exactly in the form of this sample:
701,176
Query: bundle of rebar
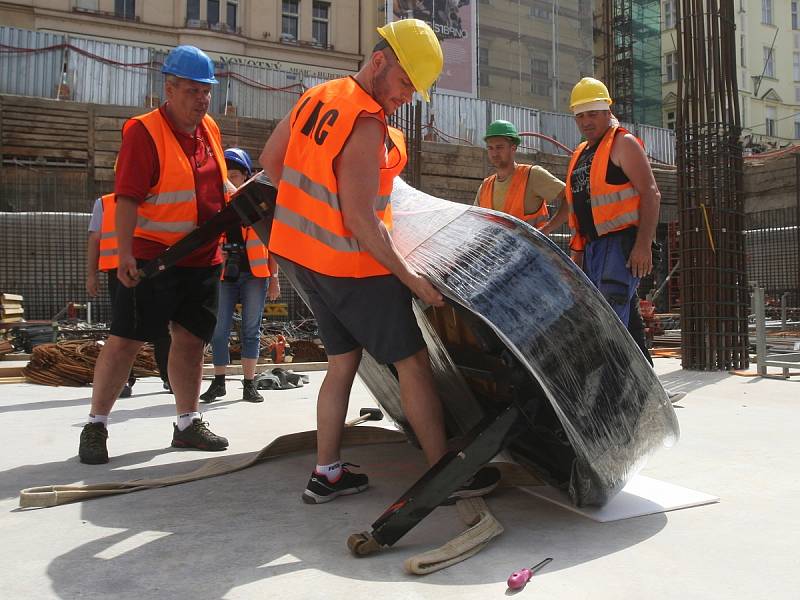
71,363
714,289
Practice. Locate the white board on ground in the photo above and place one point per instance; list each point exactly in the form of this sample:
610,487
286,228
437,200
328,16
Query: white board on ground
641,496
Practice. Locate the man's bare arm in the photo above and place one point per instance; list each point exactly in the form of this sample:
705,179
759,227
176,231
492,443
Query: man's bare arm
558,219
274,152
126,215
92,261
631,158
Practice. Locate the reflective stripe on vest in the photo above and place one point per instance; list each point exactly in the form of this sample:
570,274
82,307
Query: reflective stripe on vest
308,227
257,254
169,210
614,207
109,247
514,202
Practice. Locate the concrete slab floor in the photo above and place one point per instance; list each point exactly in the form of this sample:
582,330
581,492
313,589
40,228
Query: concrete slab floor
247,535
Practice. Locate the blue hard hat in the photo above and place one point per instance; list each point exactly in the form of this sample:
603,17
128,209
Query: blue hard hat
240,158
190,62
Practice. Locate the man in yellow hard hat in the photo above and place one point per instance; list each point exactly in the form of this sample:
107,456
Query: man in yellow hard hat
518,189
615,203
334,158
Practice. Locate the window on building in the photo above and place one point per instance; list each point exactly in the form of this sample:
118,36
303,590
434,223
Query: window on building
769,62
770,120
212,12
125,9
795,22
797,128
483,56
797,95
483,77
192,10
671,66
231,14
796,66
541,11
540,66
670,120
540,86
766,12
670,8
320,22
290,18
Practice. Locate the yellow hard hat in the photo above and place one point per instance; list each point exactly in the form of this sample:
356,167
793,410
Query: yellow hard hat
418,51
589,94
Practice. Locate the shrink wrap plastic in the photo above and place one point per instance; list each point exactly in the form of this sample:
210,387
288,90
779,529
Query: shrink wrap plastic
524,322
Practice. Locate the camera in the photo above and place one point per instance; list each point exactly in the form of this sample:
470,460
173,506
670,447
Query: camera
233,261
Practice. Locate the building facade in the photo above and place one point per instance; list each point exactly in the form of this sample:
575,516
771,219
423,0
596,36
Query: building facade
532,52
308,35
768,64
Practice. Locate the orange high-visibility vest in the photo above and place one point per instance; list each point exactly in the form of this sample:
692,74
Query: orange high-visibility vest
614,207
257,253
514,202
308,227
169,211
109,248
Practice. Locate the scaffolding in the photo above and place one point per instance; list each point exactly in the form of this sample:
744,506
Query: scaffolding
631,57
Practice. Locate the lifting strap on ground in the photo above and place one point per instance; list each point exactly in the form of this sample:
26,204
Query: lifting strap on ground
55,495
483,526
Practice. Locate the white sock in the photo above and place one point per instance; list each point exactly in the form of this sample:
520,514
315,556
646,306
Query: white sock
186,419
332,471
98,419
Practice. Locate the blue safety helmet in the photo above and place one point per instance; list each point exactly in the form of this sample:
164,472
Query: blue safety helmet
239,158
190,62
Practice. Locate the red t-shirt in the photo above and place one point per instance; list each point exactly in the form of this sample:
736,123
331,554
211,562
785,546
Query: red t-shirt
138,170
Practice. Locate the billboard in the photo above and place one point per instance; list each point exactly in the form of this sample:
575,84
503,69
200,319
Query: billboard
456,25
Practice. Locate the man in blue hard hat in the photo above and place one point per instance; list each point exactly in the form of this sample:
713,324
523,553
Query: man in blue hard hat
170,178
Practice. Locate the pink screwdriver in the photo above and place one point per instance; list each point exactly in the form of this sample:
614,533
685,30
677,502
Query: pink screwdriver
518,579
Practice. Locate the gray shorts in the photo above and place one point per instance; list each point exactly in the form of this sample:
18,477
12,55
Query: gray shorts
373,313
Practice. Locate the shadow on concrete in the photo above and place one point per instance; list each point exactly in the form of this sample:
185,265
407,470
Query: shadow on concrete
690,381
71,470
203,539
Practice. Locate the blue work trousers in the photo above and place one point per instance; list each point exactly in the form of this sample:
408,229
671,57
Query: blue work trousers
252,293
604,262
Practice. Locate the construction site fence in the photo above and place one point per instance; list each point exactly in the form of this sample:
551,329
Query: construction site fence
457,119
49,65
44,217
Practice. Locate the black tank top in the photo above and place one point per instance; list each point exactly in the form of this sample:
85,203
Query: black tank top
581,189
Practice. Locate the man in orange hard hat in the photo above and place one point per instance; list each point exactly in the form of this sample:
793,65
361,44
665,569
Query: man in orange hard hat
334,159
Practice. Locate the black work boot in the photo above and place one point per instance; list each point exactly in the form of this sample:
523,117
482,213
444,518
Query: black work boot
215,390
198,435
92,449
250,393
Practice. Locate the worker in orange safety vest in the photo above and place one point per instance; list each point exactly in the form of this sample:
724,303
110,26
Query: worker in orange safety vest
614,204
517,189
334,158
